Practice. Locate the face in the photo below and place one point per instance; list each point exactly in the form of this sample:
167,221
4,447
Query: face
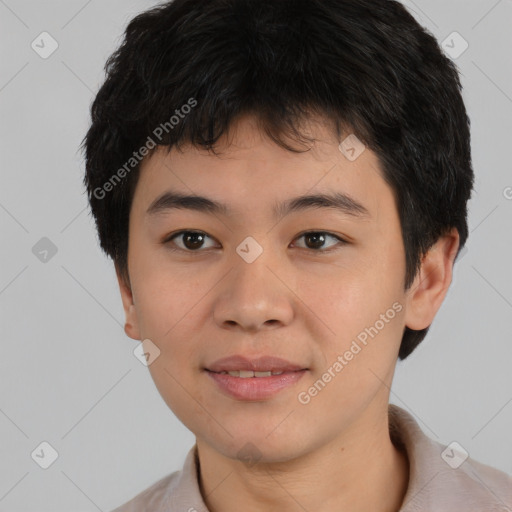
318,286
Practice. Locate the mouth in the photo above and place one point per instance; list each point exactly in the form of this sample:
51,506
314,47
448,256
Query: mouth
246,374
240,366
254,379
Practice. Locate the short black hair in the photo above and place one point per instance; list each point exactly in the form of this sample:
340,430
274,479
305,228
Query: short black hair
366,66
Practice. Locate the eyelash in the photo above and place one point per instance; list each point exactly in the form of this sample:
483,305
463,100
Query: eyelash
172,236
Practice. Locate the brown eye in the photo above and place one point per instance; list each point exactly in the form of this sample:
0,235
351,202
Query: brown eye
316,240
190,240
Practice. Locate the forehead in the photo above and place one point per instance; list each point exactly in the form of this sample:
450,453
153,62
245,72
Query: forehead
251,173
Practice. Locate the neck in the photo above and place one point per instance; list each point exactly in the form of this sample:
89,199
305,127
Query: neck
360,470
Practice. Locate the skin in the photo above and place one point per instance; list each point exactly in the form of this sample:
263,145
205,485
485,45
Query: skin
295,302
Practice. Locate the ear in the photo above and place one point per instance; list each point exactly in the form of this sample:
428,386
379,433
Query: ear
131,325
431,284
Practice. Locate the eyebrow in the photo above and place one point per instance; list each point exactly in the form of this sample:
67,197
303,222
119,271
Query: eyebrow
338,201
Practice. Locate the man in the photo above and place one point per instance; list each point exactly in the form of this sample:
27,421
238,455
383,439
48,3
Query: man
283,189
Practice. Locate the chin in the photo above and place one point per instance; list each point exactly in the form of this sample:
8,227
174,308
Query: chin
253,450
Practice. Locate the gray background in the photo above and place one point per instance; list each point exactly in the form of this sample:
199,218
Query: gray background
68,373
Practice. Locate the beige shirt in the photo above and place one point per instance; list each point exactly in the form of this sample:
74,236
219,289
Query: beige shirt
441,479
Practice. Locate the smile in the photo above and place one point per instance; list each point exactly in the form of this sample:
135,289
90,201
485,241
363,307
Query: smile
254,386
244,374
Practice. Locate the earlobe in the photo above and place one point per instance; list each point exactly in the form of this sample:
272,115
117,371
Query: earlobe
131,326
431,284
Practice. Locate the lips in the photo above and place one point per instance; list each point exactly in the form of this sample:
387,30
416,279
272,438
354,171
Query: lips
254,379
239,366
245,374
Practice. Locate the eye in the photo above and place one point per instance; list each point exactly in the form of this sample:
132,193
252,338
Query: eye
316,239
191,240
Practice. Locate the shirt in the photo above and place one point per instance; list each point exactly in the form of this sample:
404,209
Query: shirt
441,478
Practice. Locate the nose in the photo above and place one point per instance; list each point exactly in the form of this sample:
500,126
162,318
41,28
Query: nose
254,296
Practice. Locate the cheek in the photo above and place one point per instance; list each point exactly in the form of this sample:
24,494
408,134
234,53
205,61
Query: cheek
355,368
364,312
166,297
169,305
347,300
180,392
